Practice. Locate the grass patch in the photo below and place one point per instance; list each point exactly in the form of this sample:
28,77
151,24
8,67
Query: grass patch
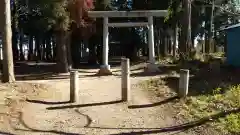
220,101
204,105
157,87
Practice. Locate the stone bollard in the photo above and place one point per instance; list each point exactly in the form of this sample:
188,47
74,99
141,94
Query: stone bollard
125,79
74,87
183,83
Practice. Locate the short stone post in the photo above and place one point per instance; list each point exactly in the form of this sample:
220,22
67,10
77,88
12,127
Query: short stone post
74,87
183,83
125,79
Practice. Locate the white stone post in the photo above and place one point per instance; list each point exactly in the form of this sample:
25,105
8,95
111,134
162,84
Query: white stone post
125,79
151,40
183,83
74,86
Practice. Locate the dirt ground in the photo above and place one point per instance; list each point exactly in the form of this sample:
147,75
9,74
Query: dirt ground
41,107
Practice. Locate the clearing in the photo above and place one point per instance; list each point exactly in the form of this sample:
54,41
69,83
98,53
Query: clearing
41,107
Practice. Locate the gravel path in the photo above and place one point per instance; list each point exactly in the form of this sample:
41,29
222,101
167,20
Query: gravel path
99,111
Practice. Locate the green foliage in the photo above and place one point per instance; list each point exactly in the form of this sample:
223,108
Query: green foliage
220,101
174,12
54,14
201,106
231,123
57,15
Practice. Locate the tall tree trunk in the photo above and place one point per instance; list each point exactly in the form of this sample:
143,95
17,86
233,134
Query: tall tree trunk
91,44
44,50
37,49
48,48
99,49
225,46
54,46
164,46
8,67
169,45
15,44
15,31
62,61
30,52
193,40
214,42
211,42
158,41
175,35
75,45
69,53
185,41
209,28
21,46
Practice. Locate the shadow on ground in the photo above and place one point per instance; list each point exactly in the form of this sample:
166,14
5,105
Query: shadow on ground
88,119
5,133
32,130
47,102
69,106
164,69
154,104
84,105
47,71
181,127
54,76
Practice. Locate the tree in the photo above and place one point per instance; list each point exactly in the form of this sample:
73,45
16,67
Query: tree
61,25
15,21
8,67
63,17
185,36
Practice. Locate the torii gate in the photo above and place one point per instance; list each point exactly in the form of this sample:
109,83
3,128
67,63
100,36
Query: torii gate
152,67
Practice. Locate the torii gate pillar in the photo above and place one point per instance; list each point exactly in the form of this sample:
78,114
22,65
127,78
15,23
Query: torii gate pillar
105,68
152,66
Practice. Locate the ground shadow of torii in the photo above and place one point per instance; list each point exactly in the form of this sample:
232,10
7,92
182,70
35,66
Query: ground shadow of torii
181,127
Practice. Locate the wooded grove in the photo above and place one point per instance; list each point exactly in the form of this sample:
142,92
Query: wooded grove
60,30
